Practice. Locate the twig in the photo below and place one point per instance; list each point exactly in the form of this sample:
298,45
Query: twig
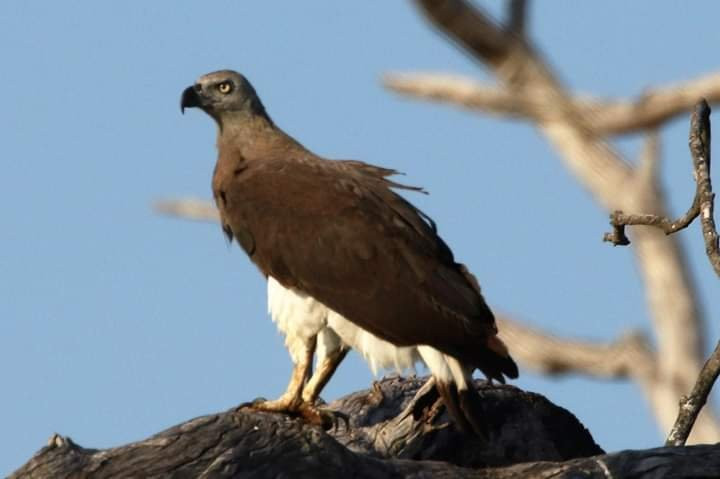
691,405
703,202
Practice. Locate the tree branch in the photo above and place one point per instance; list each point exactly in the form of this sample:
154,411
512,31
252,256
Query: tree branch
703,200
188,208
651,110
691,405
517,17
460,91
628,357
469,26
382,440
253,444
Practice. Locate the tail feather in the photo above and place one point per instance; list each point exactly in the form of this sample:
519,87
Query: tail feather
495,361
453,381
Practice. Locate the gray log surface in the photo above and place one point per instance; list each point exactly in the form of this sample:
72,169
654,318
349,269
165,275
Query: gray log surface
528,437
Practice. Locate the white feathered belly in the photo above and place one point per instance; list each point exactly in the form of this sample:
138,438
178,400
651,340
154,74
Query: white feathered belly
300,317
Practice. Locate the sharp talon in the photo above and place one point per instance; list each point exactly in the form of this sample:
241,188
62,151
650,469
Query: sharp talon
324,418
345,419
251,404
331,421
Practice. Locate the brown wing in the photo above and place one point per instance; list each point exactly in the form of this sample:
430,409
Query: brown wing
340,234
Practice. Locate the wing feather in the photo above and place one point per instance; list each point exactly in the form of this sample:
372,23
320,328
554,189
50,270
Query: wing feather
337,231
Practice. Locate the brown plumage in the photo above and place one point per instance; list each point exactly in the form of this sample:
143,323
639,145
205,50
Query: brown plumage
336,231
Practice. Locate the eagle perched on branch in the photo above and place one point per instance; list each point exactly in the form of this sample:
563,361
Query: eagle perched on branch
349,262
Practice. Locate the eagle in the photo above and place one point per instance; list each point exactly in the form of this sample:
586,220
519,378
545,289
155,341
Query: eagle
350,264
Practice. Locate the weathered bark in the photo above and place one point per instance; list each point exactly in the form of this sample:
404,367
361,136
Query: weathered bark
526,432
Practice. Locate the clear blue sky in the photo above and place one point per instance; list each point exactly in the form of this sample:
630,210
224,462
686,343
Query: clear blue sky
116,323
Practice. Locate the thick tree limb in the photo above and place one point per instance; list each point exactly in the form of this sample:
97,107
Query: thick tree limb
250,444
382,441
651,110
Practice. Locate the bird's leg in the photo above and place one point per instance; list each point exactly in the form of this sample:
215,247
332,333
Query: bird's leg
291,400
325,369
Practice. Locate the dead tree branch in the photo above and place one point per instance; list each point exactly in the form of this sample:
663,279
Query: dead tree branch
578,133
655,107
383,440
629,357
692,404
517,17
699,142
253,444
188,208
702,202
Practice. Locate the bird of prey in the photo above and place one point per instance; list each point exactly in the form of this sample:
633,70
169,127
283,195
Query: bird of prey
349,262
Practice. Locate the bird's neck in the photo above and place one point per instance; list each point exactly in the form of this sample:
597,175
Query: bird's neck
250,134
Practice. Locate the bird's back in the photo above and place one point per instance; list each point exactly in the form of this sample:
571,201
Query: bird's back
336,231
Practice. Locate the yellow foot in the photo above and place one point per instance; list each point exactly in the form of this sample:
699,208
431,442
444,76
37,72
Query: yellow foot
310,413
281,404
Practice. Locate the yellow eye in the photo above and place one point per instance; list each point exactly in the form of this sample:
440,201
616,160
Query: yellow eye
224,87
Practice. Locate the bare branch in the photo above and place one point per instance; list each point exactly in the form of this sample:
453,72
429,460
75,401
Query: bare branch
468,26
460,91
628,357
656,106
619,220
691,405
700,150
648,162
607,117
703,201
188,208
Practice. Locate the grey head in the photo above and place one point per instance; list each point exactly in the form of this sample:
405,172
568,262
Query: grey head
224,95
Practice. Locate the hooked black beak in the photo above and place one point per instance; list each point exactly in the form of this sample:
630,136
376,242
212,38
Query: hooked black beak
189,99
